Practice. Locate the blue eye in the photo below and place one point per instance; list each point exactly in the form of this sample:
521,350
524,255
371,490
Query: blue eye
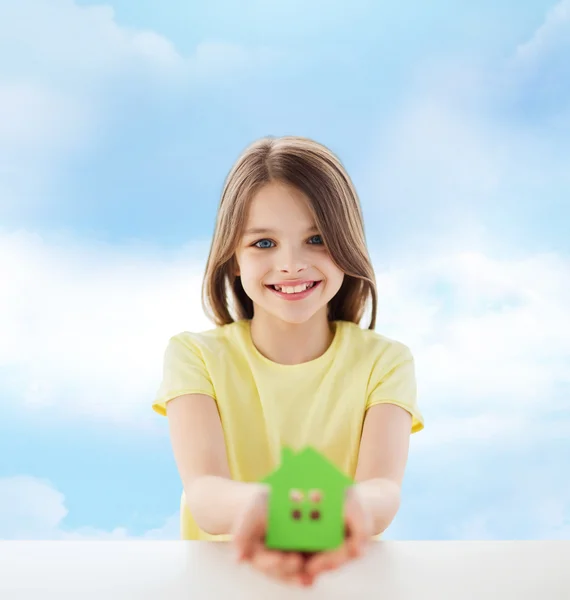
265,243
261,242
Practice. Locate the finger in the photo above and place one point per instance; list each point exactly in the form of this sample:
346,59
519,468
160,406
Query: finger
293,571
359,529
355,538
327,561
266,560
278,565
282,563
249,532
245,542
292,563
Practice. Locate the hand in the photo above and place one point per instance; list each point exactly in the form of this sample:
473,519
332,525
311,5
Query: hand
358,528
249,540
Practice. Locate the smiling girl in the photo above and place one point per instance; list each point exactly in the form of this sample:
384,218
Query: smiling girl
288,282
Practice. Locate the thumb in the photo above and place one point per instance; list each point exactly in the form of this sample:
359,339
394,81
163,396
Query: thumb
358,524
250,526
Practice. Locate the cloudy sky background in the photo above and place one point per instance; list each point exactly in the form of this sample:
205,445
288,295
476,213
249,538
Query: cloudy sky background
119,123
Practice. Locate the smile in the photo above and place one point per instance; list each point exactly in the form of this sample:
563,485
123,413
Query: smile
297,292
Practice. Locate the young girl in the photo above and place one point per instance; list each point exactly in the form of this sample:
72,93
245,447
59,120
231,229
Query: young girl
288,281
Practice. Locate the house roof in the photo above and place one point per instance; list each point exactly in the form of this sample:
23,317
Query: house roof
307,468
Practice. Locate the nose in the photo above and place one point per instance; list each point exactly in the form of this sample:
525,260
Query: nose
292,261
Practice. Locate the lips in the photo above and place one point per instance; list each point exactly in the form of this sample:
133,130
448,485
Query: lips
294,295
294,283
304,285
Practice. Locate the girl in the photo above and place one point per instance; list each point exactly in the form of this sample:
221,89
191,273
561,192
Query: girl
288,281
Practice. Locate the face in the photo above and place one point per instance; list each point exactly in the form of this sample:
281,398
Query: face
281,252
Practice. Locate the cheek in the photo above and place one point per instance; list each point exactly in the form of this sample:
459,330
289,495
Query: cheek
253,268
332,272
338,279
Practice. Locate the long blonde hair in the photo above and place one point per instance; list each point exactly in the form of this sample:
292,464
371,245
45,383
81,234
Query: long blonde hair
314,170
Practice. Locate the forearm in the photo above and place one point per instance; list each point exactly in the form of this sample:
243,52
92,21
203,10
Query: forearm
381,500
215,501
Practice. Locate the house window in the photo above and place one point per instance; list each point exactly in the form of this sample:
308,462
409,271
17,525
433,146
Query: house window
296,495
296,514
315,496
315,515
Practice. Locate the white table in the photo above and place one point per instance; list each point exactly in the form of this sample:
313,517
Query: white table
176,570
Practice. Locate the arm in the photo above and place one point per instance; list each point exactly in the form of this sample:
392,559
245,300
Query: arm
199,449
382,461
373,501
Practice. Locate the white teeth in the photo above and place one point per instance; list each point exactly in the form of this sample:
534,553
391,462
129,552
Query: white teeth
293,290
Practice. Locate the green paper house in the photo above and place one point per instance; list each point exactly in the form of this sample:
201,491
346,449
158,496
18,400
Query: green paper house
306,503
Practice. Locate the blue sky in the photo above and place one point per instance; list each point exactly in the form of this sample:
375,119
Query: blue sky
120,124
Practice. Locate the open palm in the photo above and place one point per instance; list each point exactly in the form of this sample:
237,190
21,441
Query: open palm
296,567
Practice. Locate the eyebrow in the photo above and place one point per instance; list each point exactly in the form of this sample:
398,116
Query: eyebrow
263,230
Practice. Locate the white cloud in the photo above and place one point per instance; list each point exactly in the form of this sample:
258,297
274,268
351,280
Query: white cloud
29,506
534,507
57,64
475,146
62,38
449,151
170,530
539,74
458,160
63,67
79,53
32,509
490,334
84,329
553,33
486,315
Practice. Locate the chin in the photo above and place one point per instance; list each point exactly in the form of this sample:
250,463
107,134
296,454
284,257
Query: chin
293,317
290,312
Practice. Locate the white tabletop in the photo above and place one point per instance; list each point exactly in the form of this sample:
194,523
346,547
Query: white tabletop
176,570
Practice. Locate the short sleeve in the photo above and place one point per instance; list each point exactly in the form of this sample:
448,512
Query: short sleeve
184,372
393,381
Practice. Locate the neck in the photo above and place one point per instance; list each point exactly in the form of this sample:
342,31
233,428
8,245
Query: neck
290,343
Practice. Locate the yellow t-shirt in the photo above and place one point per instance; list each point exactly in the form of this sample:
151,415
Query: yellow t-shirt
264,405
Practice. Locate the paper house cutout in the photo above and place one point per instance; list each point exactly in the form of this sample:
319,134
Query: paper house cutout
306,503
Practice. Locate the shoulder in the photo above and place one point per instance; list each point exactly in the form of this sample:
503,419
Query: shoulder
373,345
214,340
